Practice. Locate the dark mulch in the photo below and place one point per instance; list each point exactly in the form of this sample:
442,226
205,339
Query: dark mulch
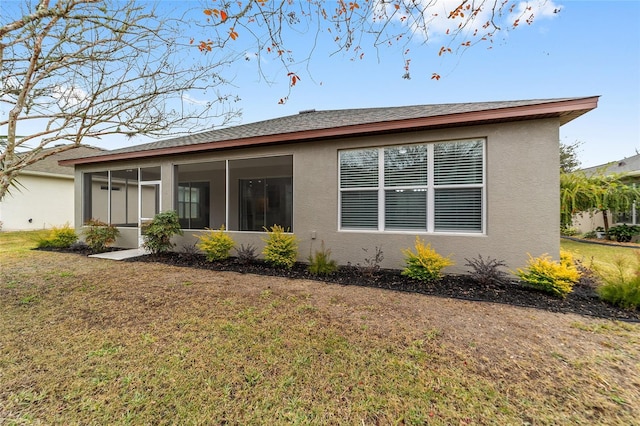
583,300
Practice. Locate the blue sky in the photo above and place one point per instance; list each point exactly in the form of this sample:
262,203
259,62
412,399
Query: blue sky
589,48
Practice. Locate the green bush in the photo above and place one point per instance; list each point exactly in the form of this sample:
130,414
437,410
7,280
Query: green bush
216,245
623,233
556,278
157,234
621,290
281,249
622,293
99,235
569,231
425,264
62,237
321,263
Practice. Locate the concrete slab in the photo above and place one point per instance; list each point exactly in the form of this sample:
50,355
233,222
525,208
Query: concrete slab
121,254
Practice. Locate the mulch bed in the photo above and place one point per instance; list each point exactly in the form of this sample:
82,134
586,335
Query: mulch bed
583,300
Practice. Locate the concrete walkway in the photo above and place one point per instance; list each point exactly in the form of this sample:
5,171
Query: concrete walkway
121,254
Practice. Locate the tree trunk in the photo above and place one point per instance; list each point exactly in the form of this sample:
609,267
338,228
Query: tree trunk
605,219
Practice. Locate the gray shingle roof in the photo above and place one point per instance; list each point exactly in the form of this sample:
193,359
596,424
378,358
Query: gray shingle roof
629,165
310,121
50,165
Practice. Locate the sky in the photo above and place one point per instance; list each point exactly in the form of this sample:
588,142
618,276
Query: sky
590,48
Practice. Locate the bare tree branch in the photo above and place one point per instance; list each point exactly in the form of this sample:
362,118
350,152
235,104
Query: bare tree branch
82,69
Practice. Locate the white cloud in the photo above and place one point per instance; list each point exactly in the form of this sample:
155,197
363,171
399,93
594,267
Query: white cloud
68,96
436,16
193,101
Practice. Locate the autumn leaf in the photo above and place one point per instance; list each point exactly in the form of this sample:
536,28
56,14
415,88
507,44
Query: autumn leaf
208,12
435,76
294,78
233,34
223,15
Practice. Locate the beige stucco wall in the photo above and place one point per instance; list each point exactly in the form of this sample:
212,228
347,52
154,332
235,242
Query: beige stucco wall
522,181
45,199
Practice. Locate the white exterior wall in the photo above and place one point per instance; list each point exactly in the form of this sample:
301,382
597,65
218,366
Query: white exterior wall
522,199
45,199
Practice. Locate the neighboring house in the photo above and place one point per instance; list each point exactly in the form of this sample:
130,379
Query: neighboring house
630,168
43,196
475,178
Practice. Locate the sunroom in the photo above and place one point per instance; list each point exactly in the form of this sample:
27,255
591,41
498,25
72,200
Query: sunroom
261,194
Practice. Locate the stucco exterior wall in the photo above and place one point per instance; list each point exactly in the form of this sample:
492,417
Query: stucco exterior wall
522,200
45,199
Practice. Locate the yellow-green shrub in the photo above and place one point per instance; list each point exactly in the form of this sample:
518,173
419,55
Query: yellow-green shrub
622,289
59,237
551,276
216,245
321,263
425,264
281,249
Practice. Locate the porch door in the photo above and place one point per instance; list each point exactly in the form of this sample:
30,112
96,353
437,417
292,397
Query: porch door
149,193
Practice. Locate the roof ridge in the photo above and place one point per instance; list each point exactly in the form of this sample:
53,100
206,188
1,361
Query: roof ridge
322,124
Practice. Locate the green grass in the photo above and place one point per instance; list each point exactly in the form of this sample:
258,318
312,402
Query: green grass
603,258
90,341
21,241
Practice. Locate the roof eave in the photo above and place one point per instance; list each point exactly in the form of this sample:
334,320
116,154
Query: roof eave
565,110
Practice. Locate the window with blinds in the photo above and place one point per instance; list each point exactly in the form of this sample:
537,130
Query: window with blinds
399,187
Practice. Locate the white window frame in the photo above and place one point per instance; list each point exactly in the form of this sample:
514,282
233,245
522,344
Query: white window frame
430,188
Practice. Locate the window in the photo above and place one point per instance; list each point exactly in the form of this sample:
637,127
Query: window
436,187
260,193
200,194
193,205
265,202
115,196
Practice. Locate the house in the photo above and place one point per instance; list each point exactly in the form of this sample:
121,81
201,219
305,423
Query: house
473,178
43,196
630,169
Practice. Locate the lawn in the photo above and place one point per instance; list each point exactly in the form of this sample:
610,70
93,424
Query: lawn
90,341
608,260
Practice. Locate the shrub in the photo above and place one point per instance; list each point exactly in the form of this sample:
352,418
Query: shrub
63,237
246,254
216,245
281,249
622,293
157,234
371,263
99,235
621,290
425,264
623,233
487,271
557,278
321,263
569,231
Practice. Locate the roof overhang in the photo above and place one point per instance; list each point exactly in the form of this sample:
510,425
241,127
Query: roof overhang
564,110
